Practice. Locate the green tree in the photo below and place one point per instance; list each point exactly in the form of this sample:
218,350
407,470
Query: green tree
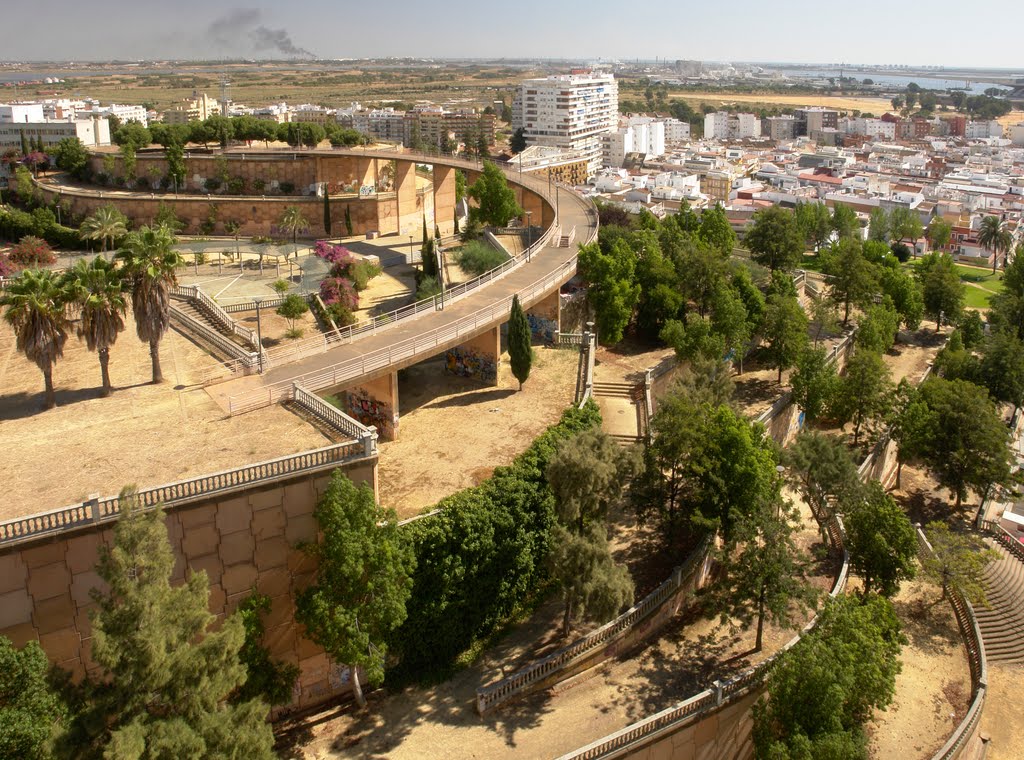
716,231
104,224
611,290
151,263
911,426
971,328
815,223
293,307
327,212
266,679
844,221
819,465
133,135
941,289
175,156
877,329
1007,312
938,233
764,573
957,561
968,448
165,217
30,708
865,391
853,278
517,143
700,272
822,691
729,320
292,220
905,293
363,581
495,200
1002,367
166,674
71,156
775,239
36,311
881,541
97,289
520,350
348,221
878,226
25,147
990,236
785,331
814,382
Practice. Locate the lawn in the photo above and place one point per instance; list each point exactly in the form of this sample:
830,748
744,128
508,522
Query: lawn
975,298
981,284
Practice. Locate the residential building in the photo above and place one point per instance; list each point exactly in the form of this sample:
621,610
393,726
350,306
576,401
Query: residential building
93,132
197,108
570,167
571,111
980,130
722,125
1017,134
810,120
676,131
780,127
641,135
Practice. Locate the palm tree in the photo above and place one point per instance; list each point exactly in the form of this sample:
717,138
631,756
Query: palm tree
989,237
36,310
150,262
293,220
1004,244
98,289
106,223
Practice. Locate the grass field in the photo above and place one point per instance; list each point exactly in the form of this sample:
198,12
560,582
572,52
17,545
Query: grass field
981,284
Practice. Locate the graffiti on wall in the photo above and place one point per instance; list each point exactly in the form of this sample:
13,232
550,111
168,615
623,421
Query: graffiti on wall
542,328
465,362
370,411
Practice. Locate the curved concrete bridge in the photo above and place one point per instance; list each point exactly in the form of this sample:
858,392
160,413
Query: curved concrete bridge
467,330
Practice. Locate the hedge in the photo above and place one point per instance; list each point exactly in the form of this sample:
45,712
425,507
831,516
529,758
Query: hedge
482,556
16,224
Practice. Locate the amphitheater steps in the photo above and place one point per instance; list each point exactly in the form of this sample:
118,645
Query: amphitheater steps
1002,622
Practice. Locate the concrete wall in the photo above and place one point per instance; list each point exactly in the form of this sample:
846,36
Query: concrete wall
375,403
721,735
478,358
545,318
242,541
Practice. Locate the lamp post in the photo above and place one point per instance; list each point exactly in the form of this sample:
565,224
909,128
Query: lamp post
782,475
410,252
529,234
259,333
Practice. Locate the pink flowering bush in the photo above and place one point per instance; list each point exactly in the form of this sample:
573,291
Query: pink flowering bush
338,290
338,256
31,251
7,267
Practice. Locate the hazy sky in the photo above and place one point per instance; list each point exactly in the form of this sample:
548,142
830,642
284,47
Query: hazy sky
871,31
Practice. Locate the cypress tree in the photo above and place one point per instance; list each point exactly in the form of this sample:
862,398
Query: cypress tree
428,264
25,147
327,212
348,220
455,215
520,352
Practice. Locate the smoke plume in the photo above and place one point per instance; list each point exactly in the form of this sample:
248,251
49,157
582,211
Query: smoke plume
243,25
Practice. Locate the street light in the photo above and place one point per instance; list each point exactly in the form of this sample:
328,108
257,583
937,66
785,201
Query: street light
410,252
259,332
529,233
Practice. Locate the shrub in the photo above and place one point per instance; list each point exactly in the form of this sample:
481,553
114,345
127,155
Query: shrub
362,272
294,333
236,186
476,257
212,184
287,188
483,556
428,288
901,252
142,183
281,286
7,267
258,185
120,181
102,178
32,251
341,314
339,290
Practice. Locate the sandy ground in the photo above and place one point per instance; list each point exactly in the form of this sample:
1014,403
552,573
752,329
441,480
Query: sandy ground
428,722
934,688
273,327
142,434
877,106
453,431
1001,720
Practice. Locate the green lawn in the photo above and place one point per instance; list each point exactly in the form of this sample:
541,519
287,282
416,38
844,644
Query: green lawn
977,299
979,277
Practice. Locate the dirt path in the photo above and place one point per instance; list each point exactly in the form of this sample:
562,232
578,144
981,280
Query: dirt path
453,431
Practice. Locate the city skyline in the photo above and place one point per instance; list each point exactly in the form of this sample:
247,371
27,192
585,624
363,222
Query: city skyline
800,33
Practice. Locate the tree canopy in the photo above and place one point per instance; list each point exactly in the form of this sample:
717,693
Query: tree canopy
495,200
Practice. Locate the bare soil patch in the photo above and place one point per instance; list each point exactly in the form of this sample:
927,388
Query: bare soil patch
1000,720
144,434
453,431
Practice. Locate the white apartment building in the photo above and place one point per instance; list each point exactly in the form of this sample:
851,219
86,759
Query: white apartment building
979,130
124,113
21,113
676,130
641,135
92,132
722,125
570,111
1017,134
780,127
875,128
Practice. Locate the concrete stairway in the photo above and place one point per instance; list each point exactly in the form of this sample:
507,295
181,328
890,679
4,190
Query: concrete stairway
189,308
1002,622
619,390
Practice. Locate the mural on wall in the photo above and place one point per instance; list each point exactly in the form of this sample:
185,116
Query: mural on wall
465,362
542,328
370,411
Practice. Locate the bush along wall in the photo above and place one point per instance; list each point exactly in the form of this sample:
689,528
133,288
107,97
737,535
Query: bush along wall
482,556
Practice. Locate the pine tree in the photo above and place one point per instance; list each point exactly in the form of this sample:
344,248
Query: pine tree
327,212
348,220
166,675
520,352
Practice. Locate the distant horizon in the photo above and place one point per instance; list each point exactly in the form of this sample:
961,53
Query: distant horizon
744,31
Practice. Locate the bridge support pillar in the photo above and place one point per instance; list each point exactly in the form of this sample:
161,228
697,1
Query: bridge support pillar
545,317
478,358
375,402
540,216
409,222
444,199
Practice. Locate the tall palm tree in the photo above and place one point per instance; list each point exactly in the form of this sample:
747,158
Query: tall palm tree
98,290
293,221
1004,244
150,263
36,309
989,235
106,223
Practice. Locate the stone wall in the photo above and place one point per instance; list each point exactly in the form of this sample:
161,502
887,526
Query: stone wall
721,735
242,541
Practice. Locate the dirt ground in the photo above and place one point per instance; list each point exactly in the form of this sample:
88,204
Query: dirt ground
453,431
688,654
934,688
273,327
1001,720
142,434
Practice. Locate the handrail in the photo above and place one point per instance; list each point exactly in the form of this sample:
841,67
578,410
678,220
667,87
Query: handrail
1004,537
107,509
426,342
214,311
335,418
201,329
489,697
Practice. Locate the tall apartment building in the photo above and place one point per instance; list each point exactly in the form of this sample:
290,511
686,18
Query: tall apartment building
780,127
722,125
197,108
570,111
676,130
810,120
640,135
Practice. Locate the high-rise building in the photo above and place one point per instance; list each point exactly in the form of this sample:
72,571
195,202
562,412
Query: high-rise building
570,111
722,125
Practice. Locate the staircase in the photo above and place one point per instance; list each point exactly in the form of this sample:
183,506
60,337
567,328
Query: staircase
1002,622
189,308
633,393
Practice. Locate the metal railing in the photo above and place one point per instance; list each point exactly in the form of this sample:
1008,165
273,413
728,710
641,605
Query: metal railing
489,697
1004,537
107,509
425,343
239,359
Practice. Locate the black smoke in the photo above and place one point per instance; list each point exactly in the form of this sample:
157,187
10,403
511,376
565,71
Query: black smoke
243,25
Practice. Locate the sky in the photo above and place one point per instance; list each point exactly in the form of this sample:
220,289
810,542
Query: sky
799,31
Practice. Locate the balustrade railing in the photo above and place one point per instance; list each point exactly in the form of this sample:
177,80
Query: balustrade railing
335,418
237,356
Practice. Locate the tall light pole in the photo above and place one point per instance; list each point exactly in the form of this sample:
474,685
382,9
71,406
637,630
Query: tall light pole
259,333
529,234
410,252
